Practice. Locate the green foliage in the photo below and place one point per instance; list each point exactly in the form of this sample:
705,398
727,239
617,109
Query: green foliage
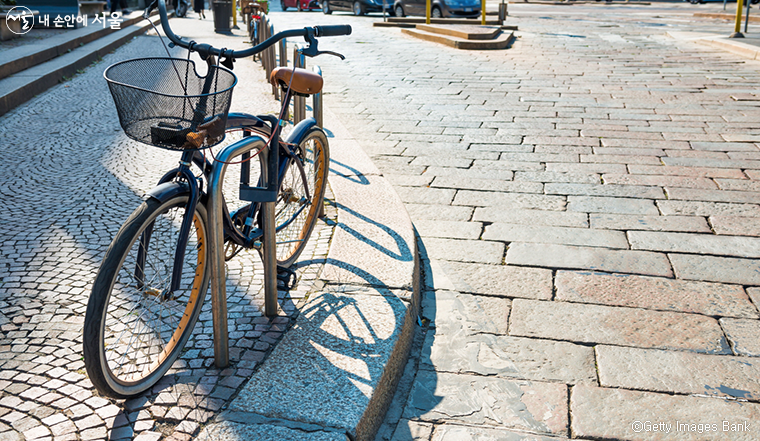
8,2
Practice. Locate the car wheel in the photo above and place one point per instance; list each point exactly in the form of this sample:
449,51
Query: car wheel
436,13
326,7
282,5
399,11
359,8
754,2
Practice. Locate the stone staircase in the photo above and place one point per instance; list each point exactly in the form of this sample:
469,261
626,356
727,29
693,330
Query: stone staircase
29,69
465,36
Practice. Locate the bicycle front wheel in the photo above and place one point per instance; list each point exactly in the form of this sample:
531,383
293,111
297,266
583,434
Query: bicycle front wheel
136,326
296,210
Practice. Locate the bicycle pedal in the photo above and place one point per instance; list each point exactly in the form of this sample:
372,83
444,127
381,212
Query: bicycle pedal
288,277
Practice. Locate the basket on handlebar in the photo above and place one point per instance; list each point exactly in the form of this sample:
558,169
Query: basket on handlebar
165,103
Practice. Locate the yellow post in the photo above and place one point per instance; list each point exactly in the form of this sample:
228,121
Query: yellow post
738,25
427,11
483,12
234,14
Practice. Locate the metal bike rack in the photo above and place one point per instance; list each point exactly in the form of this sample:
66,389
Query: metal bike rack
299,102
267,196
316,100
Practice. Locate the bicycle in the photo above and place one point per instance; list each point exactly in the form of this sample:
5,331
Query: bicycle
152,282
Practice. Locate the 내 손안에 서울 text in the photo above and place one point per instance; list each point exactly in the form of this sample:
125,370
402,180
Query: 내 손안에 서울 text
682,426
28,20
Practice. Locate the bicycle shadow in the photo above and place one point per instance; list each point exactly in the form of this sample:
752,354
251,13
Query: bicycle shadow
347,342
404,254
356,176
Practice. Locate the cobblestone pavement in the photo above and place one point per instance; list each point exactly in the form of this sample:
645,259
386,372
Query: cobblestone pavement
71,177
588,203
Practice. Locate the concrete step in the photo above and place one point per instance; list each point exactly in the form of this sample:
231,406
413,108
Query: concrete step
23,85
23,57
502,41
467,32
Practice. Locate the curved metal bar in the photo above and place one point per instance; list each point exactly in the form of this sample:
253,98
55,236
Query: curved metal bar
216,243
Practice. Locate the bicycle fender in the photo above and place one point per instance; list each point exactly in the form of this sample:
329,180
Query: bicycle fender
167,190
300,130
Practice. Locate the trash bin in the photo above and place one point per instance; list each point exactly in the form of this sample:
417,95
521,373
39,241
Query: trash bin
222,15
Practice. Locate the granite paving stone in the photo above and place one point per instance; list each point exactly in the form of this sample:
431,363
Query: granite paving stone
659,181
695,243
698,208
617,325
508,357
657,293
588,258
672,170
488,185
453,432
690,194
741,333
452,313
611,413
439,212
412,430
448,229
599,204
531,217
678,372
738,184
516,200
456,250
695,224
716,269
527,405
557,235
580,178
499,280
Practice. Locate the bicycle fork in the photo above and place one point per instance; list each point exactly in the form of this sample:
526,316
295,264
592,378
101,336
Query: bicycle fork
183,172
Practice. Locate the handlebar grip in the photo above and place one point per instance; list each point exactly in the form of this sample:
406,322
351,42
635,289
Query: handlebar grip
333,30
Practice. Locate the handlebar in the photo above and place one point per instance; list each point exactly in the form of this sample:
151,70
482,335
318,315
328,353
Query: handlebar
204,50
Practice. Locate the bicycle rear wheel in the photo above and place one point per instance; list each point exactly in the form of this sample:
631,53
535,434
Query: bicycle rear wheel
296,210
135,326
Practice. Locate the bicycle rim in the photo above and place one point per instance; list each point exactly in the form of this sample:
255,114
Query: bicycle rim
143,325
295,211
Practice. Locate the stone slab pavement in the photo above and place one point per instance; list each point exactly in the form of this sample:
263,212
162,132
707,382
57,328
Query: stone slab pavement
586,204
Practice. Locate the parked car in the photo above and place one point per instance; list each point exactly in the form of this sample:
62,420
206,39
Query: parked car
438,8
301,5
358,7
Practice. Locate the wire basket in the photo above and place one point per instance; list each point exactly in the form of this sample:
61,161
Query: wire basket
163,102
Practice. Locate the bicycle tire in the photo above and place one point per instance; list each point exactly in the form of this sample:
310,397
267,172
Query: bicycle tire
119,306
294,227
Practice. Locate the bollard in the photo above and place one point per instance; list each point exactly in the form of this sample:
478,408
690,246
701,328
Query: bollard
272,55
738,24
283,53
316,103
746,18
502,12
316,107
299,102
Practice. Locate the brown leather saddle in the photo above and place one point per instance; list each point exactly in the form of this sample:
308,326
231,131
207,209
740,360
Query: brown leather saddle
303,82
